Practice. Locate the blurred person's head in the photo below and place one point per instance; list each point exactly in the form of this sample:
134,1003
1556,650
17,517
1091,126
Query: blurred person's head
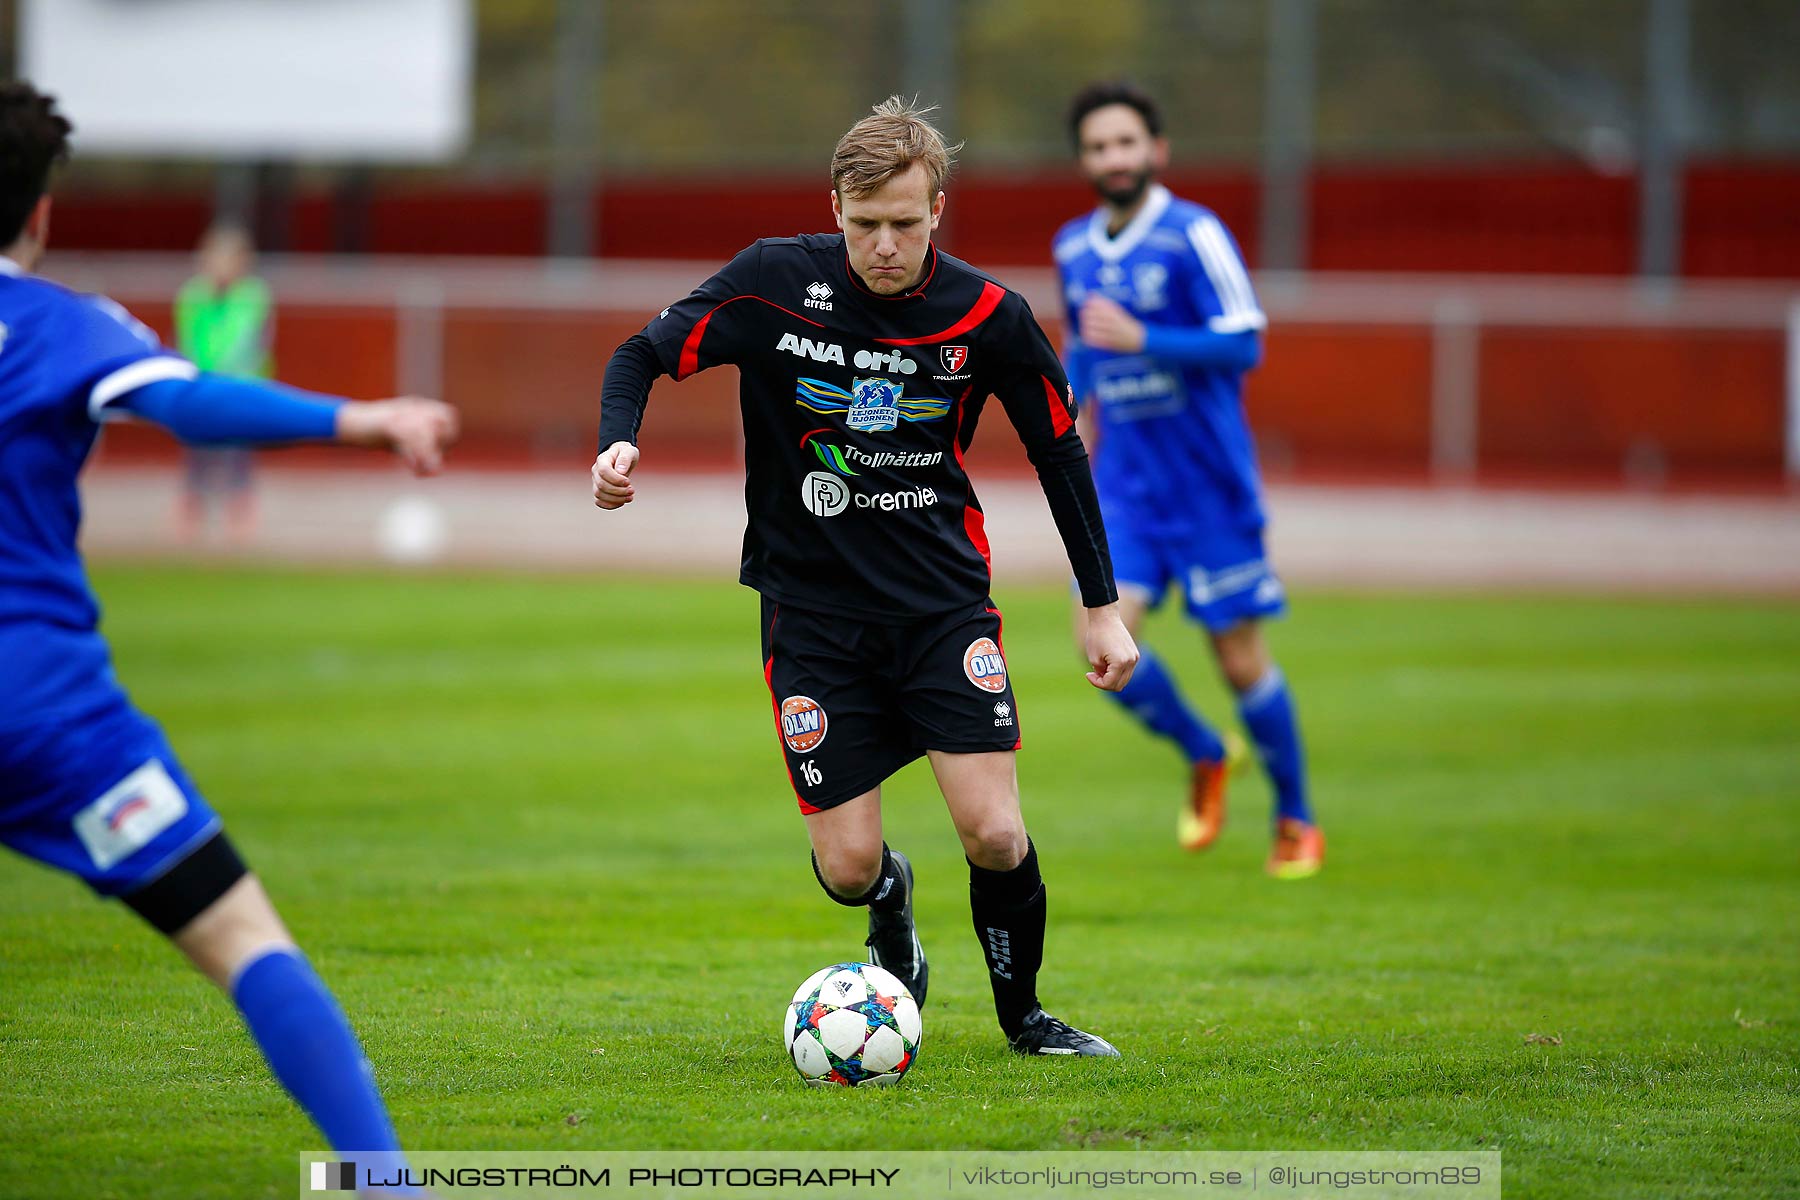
1117,131
33,137
226,254
887,193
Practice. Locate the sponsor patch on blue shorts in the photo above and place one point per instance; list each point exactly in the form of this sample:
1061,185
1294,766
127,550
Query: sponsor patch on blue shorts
102,797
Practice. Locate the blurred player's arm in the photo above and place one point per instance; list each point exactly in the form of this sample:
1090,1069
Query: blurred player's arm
206,409
1078,362
1078,358
702,330
127,373
1107,325
1041,405
1228,338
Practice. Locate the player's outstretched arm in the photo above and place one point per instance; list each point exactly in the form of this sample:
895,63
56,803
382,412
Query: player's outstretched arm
1106,325
1111,652
416,429
700,331
216,410
612,476
624,392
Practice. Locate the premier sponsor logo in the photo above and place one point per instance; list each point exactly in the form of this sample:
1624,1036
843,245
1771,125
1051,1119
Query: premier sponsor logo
825,495
803,724
985,665
922,497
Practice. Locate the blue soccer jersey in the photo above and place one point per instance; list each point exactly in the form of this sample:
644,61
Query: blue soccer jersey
1174,456
87,783
64,358
1174,463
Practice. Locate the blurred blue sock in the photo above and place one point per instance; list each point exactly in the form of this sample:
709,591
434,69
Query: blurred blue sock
1154,700
1268,713
313,1052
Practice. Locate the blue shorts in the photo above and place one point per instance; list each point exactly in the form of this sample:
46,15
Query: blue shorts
1224,575
102,797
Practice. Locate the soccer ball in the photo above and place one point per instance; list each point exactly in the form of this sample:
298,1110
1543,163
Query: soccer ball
413,531
850,1024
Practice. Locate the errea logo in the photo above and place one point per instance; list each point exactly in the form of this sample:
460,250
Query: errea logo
818,295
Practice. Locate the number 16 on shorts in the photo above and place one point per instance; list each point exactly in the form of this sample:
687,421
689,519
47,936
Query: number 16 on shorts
803,727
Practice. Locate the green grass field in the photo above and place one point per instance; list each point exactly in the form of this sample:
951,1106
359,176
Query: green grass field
536,834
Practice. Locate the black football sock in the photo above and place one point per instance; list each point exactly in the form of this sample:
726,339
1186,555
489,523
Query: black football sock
1008,907
886,894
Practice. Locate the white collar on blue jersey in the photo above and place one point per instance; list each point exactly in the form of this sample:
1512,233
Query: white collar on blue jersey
9,267
1113,249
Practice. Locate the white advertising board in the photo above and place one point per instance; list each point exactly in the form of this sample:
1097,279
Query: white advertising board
376,80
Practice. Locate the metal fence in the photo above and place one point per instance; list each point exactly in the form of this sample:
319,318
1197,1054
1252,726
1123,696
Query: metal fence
1445,378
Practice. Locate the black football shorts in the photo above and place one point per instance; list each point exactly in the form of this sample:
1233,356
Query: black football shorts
855,701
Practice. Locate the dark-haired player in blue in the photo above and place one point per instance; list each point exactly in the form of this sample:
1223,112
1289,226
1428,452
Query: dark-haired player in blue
1163,326
88,784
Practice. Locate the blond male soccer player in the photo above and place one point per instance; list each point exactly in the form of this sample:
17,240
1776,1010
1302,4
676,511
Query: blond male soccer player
1165,326
865,358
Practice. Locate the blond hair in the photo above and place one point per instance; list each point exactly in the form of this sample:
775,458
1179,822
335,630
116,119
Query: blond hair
888,142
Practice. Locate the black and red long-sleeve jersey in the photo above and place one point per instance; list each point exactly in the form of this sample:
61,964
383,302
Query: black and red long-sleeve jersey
857,411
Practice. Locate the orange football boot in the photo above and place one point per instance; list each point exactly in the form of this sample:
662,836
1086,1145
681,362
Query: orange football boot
1204,813
1299,849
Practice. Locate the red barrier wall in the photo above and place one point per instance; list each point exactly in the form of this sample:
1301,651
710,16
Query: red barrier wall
1740,220
1339,399
1632,402
1540,220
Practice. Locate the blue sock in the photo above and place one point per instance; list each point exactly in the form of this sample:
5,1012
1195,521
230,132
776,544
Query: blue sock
312,1051
1154,700
1268,712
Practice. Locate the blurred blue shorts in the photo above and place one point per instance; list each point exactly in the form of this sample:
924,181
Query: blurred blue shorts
102,797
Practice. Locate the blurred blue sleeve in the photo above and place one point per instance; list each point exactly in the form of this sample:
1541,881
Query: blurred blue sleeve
1198,346
1078,365
215,410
